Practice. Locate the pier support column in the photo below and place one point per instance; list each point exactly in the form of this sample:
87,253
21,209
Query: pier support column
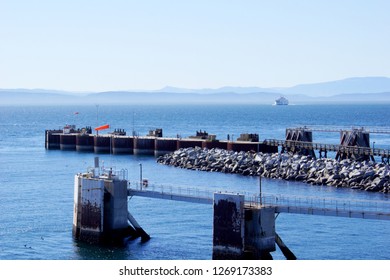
101,210
241,232
259,233
228,227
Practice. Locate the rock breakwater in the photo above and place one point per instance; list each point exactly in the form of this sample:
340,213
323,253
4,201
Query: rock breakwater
369,176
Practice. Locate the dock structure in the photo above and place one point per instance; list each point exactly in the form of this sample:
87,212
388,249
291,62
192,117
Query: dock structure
300,134
101,209
243,224
340,149
151,144
354,143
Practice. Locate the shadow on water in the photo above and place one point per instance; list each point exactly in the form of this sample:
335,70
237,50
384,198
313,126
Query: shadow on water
86,251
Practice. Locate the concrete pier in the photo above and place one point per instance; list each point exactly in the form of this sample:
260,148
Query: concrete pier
68,141
101,209
243,146
164,146
102,144
52,139
241,232
189,143
84,143
354,144
144,145
259,233
215,144
122,145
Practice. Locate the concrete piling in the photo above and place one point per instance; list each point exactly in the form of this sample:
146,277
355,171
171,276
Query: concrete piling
67,141
144,145
122,145
101,209
84,143
242,232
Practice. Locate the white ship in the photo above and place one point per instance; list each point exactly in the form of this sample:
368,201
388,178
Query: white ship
281,101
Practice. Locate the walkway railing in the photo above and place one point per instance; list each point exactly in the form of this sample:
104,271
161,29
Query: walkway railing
329,147
366,209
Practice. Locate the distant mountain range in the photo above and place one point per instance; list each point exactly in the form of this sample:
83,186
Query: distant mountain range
351,90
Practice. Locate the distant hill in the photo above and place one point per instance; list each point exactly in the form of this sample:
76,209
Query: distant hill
346,86
348,91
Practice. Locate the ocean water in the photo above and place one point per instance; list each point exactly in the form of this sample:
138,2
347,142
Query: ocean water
36,185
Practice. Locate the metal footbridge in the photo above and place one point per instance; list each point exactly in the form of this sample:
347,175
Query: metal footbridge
364,209
364,151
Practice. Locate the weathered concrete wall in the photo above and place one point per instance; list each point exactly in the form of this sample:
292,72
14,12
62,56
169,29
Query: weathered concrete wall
52,140
92,210
228,226
214,144
122,145
84,143
243,146
100,209
68,142
115,205
164,146
259,232
189,143
144,145
102,144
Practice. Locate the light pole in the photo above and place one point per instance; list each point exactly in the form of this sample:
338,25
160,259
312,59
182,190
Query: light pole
261,194
140,175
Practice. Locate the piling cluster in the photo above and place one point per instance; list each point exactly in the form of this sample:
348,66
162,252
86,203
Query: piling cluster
366,175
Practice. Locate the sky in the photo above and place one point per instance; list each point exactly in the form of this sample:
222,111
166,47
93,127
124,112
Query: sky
89,46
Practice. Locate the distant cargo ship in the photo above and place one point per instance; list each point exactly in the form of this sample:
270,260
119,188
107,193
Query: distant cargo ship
281,101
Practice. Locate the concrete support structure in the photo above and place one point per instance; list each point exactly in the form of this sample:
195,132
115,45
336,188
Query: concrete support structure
144,145
68,141
84,143
164,146
189,143
241,232
52,139
122,145
102,144
215,144
101,211
243,146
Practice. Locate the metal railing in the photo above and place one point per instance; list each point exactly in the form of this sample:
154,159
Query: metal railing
376,209
328,147
319,203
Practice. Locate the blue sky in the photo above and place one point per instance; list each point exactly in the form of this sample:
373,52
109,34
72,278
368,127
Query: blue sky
82,45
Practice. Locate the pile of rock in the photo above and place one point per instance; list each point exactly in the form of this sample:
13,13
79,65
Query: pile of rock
369,176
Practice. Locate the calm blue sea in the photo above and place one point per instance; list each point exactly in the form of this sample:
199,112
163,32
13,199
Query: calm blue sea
36,185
